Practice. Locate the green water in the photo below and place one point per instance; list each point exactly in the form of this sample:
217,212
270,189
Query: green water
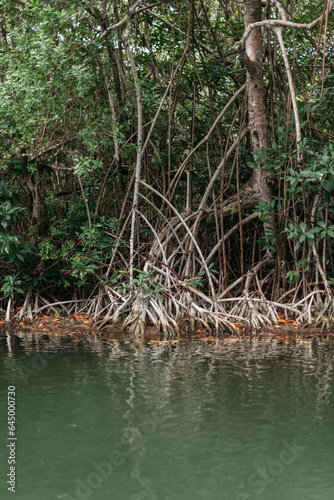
102,419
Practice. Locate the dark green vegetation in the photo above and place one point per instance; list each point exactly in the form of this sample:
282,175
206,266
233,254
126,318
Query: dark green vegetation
167,161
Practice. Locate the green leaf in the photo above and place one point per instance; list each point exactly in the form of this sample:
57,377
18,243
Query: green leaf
297,245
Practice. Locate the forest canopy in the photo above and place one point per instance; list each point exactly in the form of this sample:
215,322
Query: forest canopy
167,162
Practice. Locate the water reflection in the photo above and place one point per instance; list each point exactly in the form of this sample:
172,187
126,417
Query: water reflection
175,420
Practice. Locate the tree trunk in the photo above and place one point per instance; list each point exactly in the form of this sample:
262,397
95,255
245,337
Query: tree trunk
252,57
34,187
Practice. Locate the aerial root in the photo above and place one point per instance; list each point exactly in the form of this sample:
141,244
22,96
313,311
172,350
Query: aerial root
139,311
212,319
148,310
166,313
325,319
259,313
181,307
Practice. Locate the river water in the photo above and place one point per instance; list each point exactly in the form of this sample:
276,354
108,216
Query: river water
104,419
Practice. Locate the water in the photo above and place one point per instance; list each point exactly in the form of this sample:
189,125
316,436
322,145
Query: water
105,419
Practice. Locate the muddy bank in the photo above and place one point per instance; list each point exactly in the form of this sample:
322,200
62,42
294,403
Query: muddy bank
78,326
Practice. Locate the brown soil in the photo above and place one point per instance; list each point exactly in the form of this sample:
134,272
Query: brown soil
81,326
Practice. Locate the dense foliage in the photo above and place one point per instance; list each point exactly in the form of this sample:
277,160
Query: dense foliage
120,191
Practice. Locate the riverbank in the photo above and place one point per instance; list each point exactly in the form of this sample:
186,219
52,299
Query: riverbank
79,325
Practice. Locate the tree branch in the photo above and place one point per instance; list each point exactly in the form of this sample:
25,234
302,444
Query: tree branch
272,23
131,12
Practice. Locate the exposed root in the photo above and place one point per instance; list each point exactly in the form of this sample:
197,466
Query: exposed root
140,310
259,313
9,305
181,306
167,313
196,314
26,310
146,311
325,320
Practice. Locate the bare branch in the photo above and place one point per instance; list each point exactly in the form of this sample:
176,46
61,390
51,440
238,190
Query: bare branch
131,12
272,23
279,34
208,135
